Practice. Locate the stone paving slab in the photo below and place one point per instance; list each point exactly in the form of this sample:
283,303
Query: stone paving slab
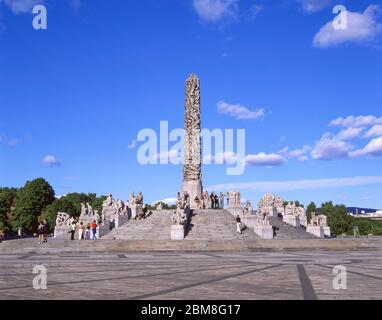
196,276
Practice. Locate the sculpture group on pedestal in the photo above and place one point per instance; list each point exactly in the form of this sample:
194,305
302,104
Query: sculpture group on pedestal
234,199
180,216
295,215
318,226
248,208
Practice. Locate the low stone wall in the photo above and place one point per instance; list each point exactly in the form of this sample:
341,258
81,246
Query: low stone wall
121,220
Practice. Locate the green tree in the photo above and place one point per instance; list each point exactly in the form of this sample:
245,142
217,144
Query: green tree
29,203
97,203
77,198
59,205
298,204
338,219
7,199
311,208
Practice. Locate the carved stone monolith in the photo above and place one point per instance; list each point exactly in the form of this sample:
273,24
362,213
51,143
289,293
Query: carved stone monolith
192,165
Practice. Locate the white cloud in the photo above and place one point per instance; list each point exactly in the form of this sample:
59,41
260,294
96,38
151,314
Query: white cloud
374,148
253,11
22,6
51,161
330,147
263,159
300,154
375,131
361,27
311,6
229,158
215,10
350,133
4,139
359,121
284,186
239,112
168,201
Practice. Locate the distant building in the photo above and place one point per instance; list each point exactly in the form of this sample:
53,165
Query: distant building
356,211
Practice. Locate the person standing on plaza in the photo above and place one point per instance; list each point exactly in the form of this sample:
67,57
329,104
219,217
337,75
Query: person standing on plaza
212,200
207,200
46,230
94,229
87,232
40,233
81,231
238,224
216,201
20,232
221,200
73,228
202,206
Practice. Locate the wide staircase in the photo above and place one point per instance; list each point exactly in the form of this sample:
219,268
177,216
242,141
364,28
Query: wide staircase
216,224
156,226
285,231
205,225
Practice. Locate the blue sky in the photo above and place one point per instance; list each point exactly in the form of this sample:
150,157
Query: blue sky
73,97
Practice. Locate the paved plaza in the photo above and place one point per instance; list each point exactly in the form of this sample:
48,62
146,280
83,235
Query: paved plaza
257,275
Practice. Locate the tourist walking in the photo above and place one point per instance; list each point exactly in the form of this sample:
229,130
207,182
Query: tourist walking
40,233
238,224
202,206
94,229
73,228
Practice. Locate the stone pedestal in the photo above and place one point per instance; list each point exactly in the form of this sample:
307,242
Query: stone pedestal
177,232
327,232
133,210
61,232
194,189
292,220
316,231
303,221
121,220
264,232
139,211
280,210
249,220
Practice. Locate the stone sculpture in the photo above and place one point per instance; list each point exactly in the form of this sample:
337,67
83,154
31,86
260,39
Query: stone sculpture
179,216
62,219
267,201
110,208
234,199
261,218
318,221
248,208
